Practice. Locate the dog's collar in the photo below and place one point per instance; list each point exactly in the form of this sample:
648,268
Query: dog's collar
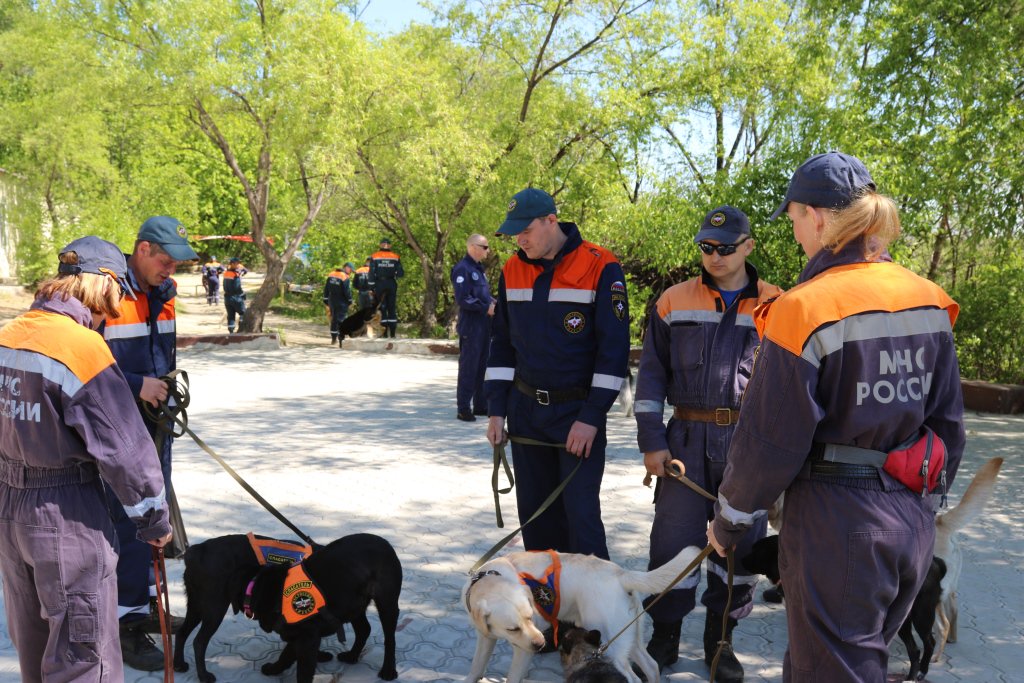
473,578
247,603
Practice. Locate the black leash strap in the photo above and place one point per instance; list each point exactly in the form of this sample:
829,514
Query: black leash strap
176,416
499,458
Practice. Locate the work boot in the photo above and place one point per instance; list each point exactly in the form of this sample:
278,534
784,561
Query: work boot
334,339
138,649
729,669
663,646
774,594
151,624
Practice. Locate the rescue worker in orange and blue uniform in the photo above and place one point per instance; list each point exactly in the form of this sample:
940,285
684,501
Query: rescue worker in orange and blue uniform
855,360
559,349
385,270
697,356
476,306
143,340
212,272
234,295
337,297
68,423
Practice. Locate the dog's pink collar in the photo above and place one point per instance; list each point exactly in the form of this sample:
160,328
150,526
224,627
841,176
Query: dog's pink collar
247,603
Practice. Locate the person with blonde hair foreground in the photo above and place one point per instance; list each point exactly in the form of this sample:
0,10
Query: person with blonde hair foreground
855,388
68,419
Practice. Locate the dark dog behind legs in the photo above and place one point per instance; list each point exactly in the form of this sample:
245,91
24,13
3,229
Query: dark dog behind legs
580,661
217,572
350,572
764,559
922,618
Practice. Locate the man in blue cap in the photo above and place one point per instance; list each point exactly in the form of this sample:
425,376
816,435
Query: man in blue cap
559,349
143,341
698,353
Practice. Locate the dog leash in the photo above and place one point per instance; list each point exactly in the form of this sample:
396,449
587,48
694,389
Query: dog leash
501,459
163,611
176,415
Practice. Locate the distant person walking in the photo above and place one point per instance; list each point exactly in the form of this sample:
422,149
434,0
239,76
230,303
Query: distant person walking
385,270
364,285
212,272
234,295
476,306
337,297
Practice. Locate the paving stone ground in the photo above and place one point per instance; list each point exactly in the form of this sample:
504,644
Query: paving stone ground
344,442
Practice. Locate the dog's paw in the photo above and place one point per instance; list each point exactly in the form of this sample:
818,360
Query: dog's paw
387,674
181,667
323,656
350,657
207,678
272,669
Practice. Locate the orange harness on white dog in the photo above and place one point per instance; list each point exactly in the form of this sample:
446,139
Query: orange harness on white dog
545,591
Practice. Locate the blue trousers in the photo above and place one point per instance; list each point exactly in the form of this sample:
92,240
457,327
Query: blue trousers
474,339
235,306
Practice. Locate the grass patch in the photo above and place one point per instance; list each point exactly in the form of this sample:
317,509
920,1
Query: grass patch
299,307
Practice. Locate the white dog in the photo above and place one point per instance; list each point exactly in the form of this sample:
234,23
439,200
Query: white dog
593,593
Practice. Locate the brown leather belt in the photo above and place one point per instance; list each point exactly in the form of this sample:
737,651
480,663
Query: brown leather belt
723,417
546,397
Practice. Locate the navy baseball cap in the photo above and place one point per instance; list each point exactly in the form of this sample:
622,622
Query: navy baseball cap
828,181
170,234
525,206
725,225
99,257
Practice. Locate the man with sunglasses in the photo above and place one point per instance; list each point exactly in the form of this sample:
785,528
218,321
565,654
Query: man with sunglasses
143,342
697,356
476,306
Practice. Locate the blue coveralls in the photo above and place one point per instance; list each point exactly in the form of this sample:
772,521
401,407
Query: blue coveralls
473,295
561,327
861,354
143,343
697,353
67,419
234,295
385,269
338,297
213,271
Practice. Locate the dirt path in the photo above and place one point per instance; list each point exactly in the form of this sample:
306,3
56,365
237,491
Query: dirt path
194,315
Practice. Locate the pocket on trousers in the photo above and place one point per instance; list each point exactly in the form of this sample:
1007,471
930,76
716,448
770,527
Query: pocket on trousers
83,627
871,581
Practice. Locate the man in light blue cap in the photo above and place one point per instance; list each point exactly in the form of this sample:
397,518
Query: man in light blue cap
143,341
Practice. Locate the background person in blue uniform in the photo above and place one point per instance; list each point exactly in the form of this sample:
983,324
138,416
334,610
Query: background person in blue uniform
855,360
364,285
142,340
385,270
212,272
559,349
337,297
234,295
476,306
69,419
697,356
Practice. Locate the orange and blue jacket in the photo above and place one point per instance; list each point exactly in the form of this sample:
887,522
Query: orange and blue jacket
337,289
385,265
64,402
143,338
561,324
860,353
233,282
698,353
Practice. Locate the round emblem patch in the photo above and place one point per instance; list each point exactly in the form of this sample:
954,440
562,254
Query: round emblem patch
459,280
574,322
543,595
476,276
303,603
717,218
512,205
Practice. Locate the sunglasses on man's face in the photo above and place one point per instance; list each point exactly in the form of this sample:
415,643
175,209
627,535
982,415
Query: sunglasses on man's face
722,249
483,246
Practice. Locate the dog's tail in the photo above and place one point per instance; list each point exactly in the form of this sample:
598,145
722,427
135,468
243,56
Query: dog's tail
975,498
659,579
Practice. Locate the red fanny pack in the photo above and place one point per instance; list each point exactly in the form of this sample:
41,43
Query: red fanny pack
918,460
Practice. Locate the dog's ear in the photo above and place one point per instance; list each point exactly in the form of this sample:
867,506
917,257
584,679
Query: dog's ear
593,637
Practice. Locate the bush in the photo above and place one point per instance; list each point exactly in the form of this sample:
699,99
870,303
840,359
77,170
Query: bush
988,331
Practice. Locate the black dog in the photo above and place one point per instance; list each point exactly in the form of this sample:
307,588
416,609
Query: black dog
217,572
580,660
349,573
764,559
354,324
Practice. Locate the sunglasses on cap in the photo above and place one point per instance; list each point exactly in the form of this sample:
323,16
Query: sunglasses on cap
722,249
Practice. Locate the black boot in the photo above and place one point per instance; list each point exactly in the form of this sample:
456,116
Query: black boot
729,669
664,644
334,339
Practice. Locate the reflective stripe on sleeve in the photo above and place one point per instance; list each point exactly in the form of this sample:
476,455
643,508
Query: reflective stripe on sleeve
500,374
33,362
649,407
145,505
736,517
723,573
607,382
163,326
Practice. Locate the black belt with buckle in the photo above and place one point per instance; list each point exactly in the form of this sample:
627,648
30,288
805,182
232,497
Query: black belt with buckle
824,468
546,397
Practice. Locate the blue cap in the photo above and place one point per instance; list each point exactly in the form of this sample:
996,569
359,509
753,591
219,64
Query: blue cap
99,257
349,264
170,234
524,207
828,181
725,225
